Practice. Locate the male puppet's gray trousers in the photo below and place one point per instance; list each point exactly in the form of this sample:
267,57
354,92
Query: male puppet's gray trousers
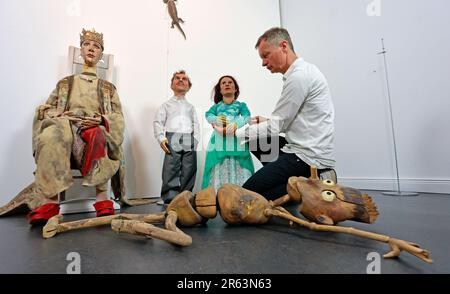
180,166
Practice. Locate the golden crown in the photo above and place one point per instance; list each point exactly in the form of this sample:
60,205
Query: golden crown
92,36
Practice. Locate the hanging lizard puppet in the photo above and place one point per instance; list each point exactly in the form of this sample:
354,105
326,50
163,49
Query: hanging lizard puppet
172,9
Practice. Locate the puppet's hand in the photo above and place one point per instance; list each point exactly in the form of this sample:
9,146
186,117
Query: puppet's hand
165,146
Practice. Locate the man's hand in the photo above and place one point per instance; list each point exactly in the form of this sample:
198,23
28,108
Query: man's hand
165,146
257,119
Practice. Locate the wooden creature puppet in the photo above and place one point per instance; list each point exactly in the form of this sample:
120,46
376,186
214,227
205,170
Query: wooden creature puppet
238,205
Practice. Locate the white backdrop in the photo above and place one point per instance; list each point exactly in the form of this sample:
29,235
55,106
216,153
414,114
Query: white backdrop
34,40
343,38
339,36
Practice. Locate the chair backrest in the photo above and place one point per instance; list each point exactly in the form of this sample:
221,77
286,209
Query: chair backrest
105,67
329,175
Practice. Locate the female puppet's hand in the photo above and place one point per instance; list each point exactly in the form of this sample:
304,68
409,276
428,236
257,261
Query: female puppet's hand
221,121
231,129
218,129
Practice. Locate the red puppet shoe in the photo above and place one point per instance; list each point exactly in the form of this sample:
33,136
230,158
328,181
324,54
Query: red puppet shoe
103,208
41,214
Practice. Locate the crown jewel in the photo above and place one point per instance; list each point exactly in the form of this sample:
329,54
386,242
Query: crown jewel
91,35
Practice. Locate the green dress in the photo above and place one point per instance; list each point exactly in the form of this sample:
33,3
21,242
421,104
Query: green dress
227,161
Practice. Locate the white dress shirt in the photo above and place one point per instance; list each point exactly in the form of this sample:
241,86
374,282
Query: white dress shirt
305,113
176,115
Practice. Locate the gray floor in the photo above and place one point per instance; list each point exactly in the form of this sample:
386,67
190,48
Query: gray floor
221,249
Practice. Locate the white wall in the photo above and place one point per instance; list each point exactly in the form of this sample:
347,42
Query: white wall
343,40
34,40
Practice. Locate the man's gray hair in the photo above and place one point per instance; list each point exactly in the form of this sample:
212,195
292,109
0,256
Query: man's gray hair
274,36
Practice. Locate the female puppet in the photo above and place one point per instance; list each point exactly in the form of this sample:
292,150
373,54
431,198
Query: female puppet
227,161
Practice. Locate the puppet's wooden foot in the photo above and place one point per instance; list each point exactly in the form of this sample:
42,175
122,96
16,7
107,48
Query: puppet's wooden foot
398,246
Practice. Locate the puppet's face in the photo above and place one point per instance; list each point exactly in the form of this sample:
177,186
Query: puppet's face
91,52
227,87
308,189
180,83
326,202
